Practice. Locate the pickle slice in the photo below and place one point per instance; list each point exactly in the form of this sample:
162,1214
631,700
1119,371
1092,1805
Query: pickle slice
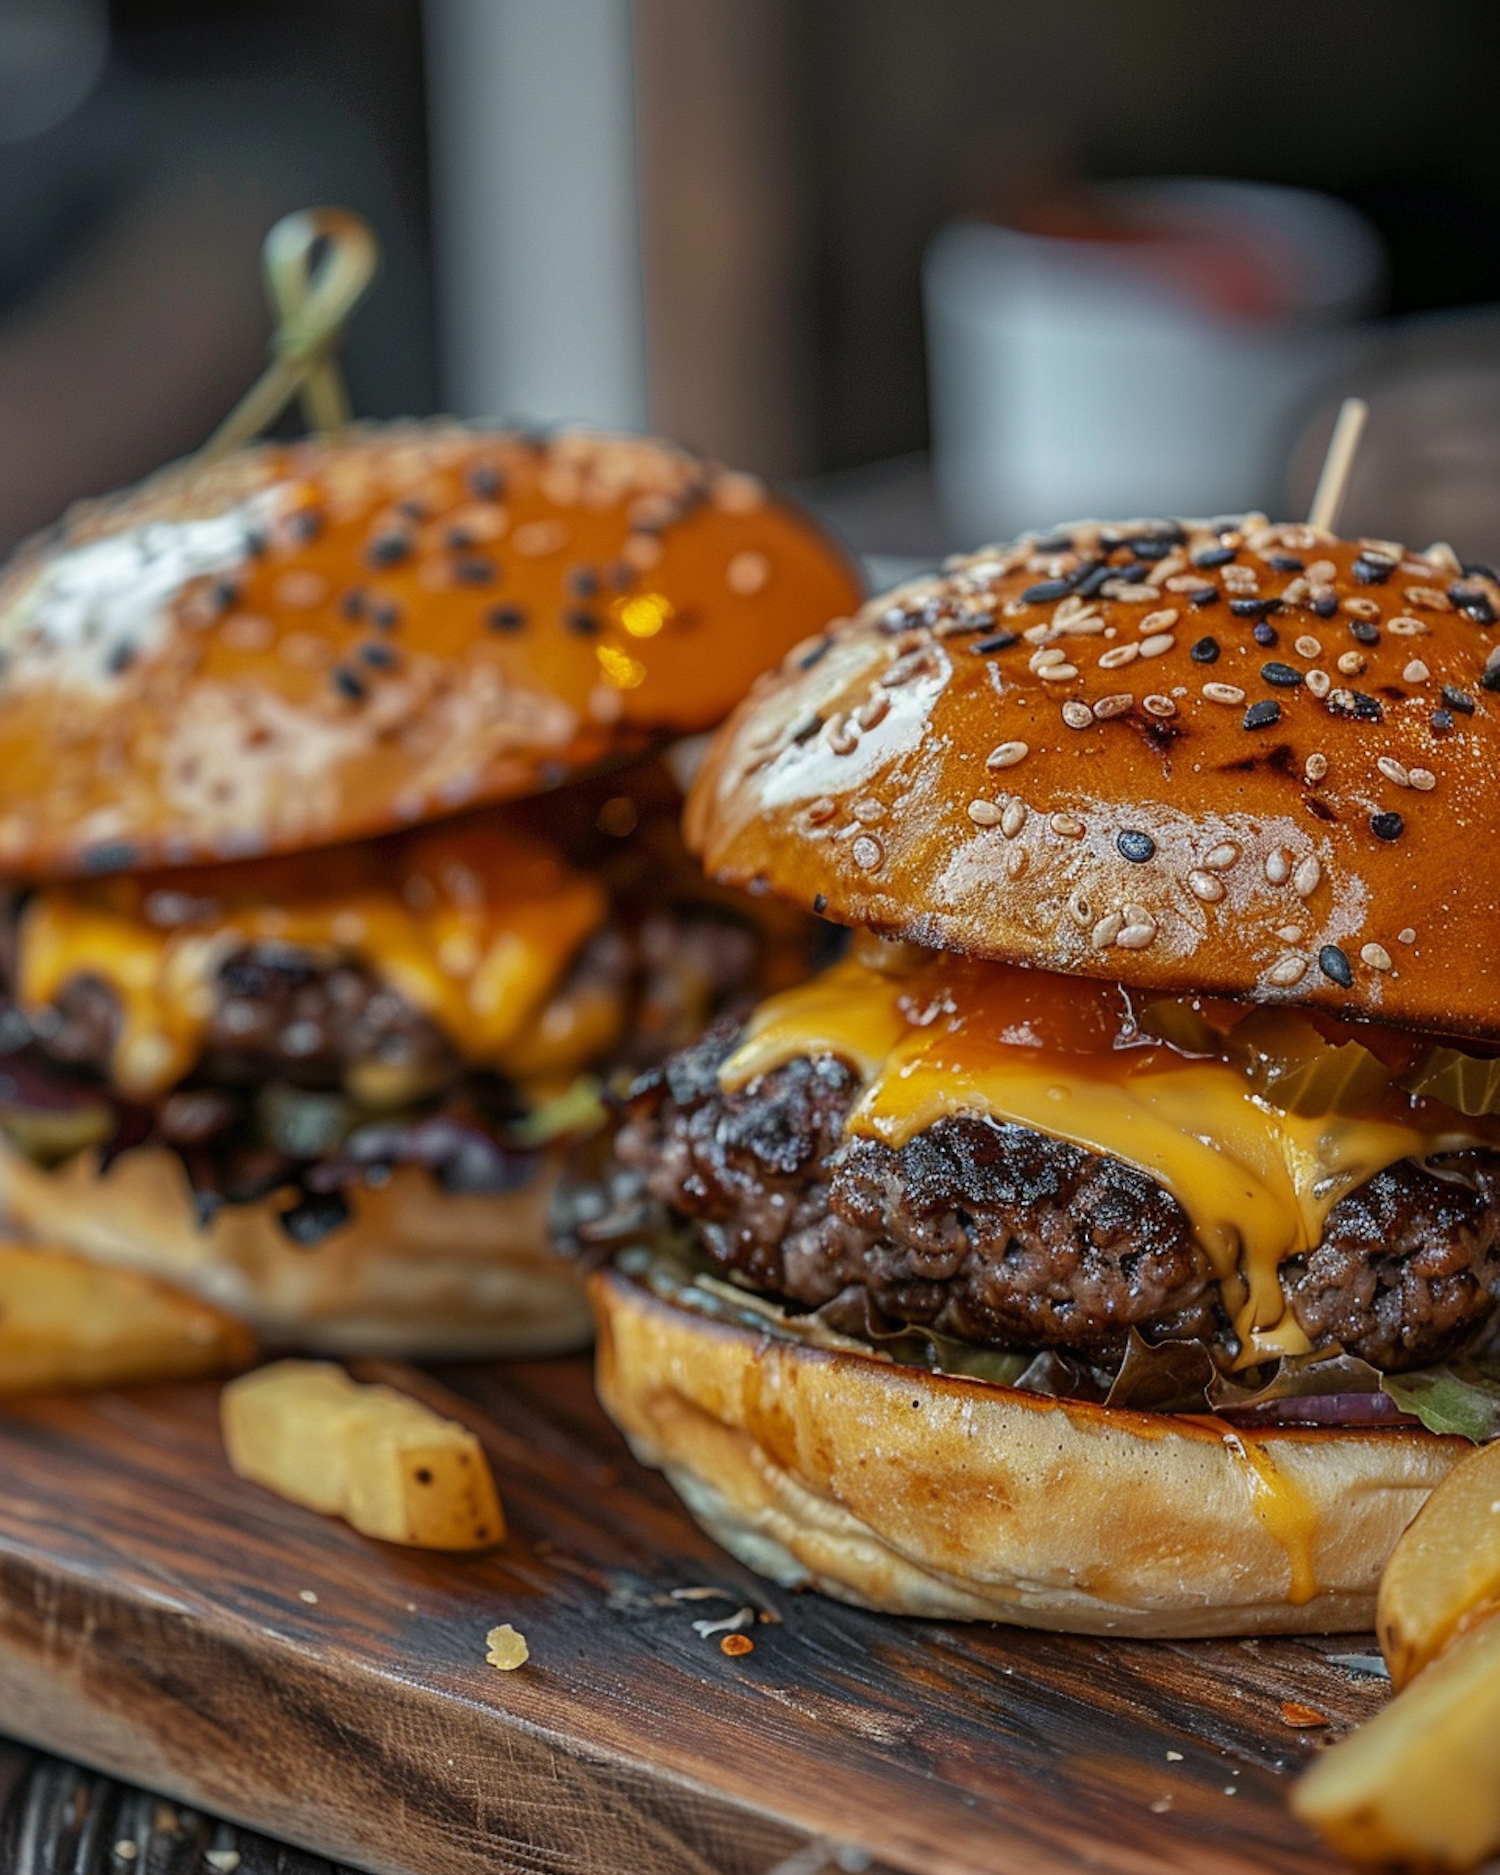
1294,1068
1467,1083
48,1135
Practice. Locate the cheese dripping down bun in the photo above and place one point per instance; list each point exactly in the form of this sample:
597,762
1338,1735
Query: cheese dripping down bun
311,642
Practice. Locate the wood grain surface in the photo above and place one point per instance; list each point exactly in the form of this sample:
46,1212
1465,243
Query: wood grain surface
166,1622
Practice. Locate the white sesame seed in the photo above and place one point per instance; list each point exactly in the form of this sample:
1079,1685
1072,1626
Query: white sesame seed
1077,715
824,808
1115,705
872,711
1319,572
1289,933
1158,621
839,737
1416,672
1406,935
1051,655
1207,886
1138,936
1362,608
747,573
1012,818
1307,877
1224,693
984,813
1393,770
1017,859
868,852
1183,582
1129,593
1428,599
1157,644
1318,682
1441,554
1221,857
1117,655
1039,634
1158,705
1058,673
1069,826
1007,755
1278,865
1081,911
868,812
1308,647
1422,779
1287,970
1376,956
1405,626
1315,767
1351,663
1107,930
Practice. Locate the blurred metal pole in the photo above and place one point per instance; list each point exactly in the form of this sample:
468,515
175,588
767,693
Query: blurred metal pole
532,139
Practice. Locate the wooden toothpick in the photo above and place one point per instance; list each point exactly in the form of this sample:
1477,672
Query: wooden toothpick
1337,463
317,264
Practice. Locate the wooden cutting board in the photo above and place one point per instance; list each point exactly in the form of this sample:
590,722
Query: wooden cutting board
162,1620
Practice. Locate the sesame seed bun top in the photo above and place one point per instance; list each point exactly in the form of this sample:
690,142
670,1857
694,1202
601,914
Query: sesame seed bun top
313,642
1223,757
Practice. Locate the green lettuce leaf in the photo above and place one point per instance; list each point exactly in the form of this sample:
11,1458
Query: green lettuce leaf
1461,1398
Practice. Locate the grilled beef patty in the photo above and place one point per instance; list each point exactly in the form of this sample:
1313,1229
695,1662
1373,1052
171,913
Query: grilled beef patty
1011,1239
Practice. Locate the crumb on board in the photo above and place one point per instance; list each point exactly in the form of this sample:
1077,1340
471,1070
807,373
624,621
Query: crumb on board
1302,1718
310,1596
225,1861
735,1644
505,1648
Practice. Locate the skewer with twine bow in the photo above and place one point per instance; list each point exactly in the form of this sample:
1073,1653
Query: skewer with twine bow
317,263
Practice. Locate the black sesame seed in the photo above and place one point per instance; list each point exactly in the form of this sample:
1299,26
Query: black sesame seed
1150,546
1054,543
1132,571
1475,604
1442,722
112,858
1206,651
820,903
1261,715
121,657
412,510
1135,846
1214,556
474,571
999,641
388,550
1266,635
226,592
1458,700
379,657
1491,678
385,615
1363,632
349,683
1372,569
1287,563
1476,569
1366,709
1088,586
583,581
352,605
310,1221
1282,675
485,481
1335,966
458,540
819,650
1203,595
505,618
584,623
1047,589
256,542
1253,608
1325,606
1387,826
305,525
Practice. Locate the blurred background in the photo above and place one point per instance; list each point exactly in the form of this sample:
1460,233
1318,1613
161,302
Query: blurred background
952,268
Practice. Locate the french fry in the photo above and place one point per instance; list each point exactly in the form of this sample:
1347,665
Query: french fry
380,1460
1420,1783
66,1323
1445,1570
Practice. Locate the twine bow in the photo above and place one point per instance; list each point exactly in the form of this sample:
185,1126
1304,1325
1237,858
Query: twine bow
317,264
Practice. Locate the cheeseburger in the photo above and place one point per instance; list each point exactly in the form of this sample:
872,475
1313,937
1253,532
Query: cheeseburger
1108,1240
311,962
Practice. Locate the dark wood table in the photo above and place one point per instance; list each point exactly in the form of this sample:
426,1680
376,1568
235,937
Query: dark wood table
169,1624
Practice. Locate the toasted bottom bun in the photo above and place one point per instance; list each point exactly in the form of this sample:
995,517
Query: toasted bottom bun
415,1271
920,1494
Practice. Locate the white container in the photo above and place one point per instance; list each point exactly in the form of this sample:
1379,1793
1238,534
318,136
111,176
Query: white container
1077,377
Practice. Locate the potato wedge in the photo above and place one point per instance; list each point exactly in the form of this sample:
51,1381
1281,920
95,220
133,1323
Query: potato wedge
1420,1783
68,1323
382,1461
1445,1570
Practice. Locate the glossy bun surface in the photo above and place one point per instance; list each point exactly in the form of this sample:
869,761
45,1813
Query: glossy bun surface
1231,758
314,642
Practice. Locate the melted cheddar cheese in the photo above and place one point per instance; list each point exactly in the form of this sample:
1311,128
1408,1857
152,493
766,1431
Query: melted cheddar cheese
472,927
946,1035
